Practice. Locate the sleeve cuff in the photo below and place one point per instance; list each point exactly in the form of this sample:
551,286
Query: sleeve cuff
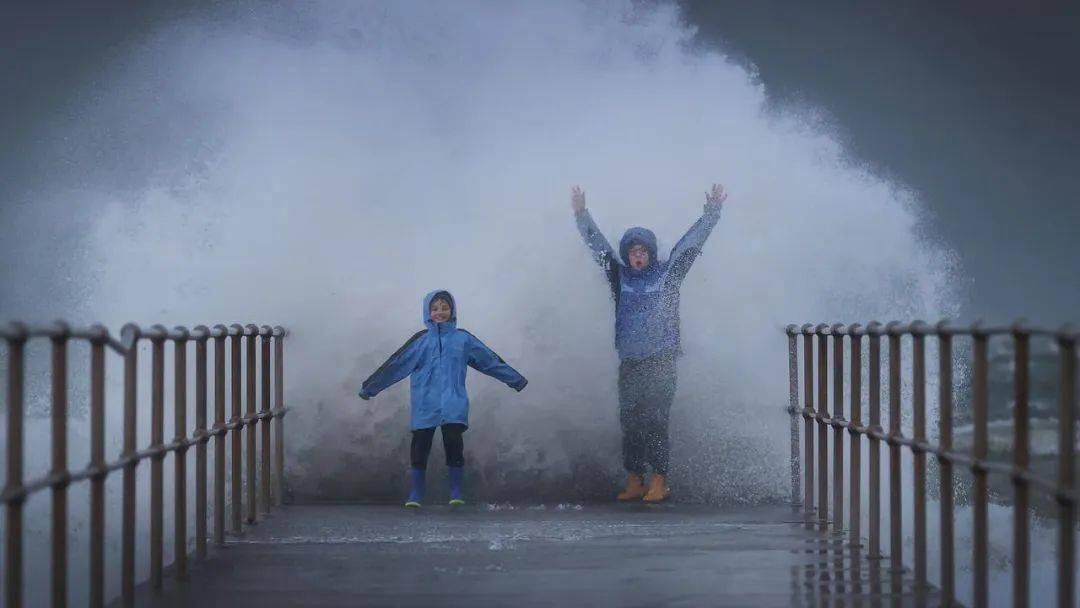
520,386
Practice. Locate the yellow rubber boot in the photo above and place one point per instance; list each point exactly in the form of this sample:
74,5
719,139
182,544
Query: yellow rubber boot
635,488
658,490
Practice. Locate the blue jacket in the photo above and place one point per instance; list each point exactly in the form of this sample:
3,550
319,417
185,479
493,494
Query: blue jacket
647,300
436,359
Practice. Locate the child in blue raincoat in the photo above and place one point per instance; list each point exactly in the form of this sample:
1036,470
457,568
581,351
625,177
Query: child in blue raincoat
436,359
647,335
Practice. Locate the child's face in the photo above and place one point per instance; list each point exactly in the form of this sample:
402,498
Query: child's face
639,257
440,311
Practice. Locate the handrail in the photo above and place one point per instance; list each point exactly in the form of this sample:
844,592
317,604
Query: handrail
815,413
16,489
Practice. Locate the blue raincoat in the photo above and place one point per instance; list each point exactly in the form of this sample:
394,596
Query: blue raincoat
436,359
647,300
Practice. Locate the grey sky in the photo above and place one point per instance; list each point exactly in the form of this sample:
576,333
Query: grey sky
971,103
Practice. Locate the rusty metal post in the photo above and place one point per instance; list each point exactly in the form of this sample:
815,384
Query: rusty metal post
220,333
838,431
59,466
873,331
793,406
1021,560
251,332
918,387
236,332
130,336
97,464
201,335
896,538
808,406
157,438
13,486
180,457
279,420
823,429
264,473
855,507
1066,592
945,398
980,544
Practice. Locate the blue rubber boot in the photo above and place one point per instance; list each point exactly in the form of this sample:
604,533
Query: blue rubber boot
416,488
456,475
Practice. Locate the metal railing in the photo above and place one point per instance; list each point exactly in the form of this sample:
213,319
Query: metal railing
814,412
257,418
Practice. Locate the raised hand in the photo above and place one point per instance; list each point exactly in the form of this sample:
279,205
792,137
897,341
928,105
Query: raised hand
717,196
577,199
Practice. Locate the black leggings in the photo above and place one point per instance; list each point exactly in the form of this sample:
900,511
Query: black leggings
646,390
452,441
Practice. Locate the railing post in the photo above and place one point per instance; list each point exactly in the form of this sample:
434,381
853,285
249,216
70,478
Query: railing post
130,337
251,332
264,424
220,332
279,404
1066,593
838,431
59,466
180,457
236,333
808,414
823,429
1021,563
918,386
793,409
873,332
980,544
97,464
945,397
157,438
13,486
855,509
201,335
896,539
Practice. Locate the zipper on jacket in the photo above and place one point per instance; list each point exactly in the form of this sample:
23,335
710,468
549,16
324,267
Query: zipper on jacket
438,330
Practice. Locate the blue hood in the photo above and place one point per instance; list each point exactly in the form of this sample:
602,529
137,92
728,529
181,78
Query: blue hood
425,312
636,236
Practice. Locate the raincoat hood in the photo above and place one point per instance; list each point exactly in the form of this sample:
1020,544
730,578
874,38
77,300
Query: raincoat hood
425,312
638,236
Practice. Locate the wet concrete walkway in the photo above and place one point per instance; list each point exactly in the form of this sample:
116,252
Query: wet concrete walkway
554,555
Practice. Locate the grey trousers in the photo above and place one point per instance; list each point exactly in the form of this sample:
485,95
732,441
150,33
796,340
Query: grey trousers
646,390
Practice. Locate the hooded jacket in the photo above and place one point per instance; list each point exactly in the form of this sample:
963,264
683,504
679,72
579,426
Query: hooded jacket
647,300
436,359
